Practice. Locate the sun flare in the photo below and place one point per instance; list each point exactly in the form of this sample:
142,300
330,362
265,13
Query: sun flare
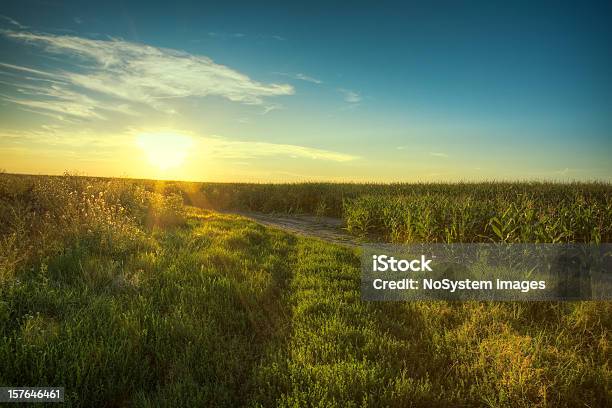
165,150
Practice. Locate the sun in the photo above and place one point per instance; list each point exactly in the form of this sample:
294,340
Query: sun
165,150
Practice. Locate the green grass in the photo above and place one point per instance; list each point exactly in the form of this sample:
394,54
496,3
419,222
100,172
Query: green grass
126,298
179,323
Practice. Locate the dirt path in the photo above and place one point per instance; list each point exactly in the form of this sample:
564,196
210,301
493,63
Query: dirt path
326,228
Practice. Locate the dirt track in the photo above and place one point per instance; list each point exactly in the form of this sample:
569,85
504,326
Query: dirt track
325,228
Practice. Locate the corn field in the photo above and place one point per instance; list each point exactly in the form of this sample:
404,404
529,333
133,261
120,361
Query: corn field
562,216
463,212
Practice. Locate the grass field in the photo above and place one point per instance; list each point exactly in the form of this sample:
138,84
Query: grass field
117,291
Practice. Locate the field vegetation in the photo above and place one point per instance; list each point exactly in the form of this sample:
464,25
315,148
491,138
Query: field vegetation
129,293
438,212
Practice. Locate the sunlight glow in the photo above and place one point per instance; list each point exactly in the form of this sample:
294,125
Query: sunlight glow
165,150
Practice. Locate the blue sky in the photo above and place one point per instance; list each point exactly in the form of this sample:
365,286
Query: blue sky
274,92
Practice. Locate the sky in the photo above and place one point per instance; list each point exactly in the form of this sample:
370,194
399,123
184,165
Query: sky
275,92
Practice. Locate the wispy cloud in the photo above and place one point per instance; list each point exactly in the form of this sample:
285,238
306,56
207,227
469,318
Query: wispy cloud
270,108
216,147
301,77
215,34
58,107
230,35
220,147
227,149
61,101
275,37
350,96
439,154
53,136
138,73
13,22
29,70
